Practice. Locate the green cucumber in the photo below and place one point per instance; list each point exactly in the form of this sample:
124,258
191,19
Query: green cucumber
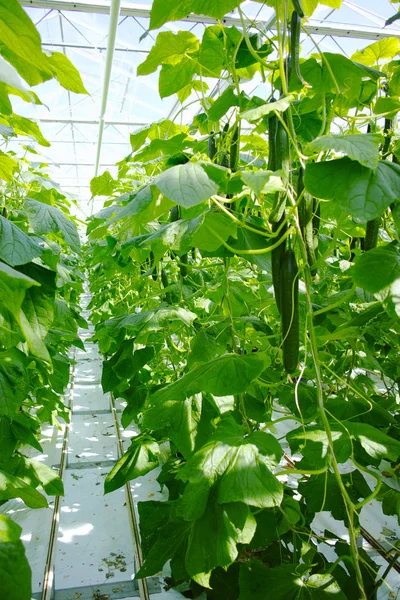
290,311
272,125
154,273
212,146
174,214
282,163
277,255
183,266
164,281
371,233
306,212
282,149
234,148
294,62
388,132
298,8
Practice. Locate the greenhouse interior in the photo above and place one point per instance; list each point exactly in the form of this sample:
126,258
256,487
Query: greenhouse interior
199,300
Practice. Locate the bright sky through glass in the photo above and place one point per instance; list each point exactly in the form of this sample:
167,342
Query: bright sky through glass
70,121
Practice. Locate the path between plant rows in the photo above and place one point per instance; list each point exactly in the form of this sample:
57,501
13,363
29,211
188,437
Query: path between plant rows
83,546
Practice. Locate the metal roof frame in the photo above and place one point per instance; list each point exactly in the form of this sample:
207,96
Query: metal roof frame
312,26
106,48
112,36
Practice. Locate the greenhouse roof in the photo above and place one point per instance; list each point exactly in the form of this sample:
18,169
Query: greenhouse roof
81,30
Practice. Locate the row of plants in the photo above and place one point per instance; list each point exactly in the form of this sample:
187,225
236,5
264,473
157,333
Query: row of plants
40,284
245,276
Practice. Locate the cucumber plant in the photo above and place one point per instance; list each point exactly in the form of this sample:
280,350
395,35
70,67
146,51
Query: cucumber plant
264,377
40,284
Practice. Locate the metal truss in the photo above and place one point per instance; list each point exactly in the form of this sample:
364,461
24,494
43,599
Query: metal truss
108,47
312,26
55,119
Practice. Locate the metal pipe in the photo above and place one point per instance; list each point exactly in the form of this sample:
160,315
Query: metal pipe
112,34
48,579
89,121
94,47
142,583
313,27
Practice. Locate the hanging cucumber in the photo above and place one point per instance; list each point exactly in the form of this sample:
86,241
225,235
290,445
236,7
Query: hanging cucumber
388,131
316,220
371,233
306,212
294,60
164,281
272,125
282,154
298,8
174,214
212,146
223,154
183,266
234,148
277,255
154,273
290,311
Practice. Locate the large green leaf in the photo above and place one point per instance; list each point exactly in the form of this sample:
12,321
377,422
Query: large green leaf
206,544
24,126
141,457
187,184
13,286
388,106
48,478
227,374
103,185
27,56
65,73
145,206
358,191
205,239
161,130
376,443
180,418
177,236
175,77
377,51
212,51
15,25
312,442
16,248
363,148
140,324
287,582
214,537
378,268
261,181
7,166
49,219
13,381
15,573
163,11
38,304
162,538
241,468
223,103
254,114
170,48
15,487
157,148
337,74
